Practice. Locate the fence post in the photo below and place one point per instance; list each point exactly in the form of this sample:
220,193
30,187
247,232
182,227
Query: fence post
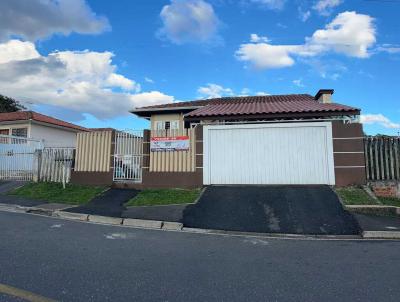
39,163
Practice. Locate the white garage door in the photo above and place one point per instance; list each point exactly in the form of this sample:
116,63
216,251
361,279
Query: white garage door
285,153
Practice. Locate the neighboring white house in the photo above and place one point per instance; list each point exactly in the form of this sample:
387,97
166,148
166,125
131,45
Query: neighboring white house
51,131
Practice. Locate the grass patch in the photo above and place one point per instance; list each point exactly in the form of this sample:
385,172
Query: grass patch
151,197
390,201
355,196
54,192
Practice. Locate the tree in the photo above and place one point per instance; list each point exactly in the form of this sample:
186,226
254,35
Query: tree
8,104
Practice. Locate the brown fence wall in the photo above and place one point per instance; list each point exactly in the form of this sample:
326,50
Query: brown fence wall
93,162
348,153
174,161
189,176
93,151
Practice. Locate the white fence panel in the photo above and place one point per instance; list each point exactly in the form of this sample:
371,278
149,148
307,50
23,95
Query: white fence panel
56,164
19,157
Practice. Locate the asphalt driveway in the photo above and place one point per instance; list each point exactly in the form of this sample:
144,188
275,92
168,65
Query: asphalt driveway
109,203
271,209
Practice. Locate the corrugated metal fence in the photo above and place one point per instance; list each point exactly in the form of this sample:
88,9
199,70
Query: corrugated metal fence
382,156
174,161
93,151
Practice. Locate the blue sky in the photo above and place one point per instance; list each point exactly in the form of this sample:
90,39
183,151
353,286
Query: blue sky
89,62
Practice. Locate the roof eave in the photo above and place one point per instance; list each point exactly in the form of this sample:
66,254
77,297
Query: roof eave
147,112
275,115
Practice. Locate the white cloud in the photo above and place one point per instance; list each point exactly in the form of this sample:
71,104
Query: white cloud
256,38
388,48
263,55
349,33
304,15
117,80
81,81
149,80
189,21
261,93
379,119
298,83
327,69
36,19
324,7
17,50
245,92
270,4
214,91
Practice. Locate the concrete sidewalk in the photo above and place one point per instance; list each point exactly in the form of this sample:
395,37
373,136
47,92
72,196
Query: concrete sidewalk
379,226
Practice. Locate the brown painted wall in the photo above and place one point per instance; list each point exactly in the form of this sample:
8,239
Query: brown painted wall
172,179
348,153
92,178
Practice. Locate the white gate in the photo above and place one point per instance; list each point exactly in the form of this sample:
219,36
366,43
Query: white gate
282,153
19,157
128,154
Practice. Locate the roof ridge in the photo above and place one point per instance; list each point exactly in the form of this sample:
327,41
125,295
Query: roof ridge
39,117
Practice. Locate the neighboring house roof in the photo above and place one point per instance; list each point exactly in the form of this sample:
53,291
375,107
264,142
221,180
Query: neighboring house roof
38,117
294,104
101,129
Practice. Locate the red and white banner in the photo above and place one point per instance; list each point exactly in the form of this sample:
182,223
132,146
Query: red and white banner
177,143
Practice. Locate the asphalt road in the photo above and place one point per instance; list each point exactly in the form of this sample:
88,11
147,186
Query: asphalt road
74,261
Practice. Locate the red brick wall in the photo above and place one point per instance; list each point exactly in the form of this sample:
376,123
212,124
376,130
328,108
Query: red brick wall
386,189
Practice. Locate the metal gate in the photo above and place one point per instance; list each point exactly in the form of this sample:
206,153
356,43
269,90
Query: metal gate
128,155
19,157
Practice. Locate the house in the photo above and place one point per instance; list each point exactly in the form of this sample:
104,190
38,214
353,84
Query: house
274,139
51,131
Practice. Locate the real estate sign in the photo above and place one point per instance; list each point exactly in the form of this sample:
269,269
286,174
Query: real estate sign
177,143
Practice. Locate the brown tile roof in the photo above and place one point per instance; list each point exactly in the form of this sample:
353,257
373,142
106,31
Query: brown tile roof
247,105
31,115
270,105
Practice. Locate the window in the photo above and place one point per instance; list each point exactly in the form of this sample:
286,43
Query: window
21,132
174,125
166,125
159,125
4,131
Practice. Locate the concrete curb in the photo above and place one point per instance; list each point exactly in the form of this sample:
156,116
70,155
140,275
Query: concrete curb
381,235
141,223
373,209
174,226
69,215
12,208
105,219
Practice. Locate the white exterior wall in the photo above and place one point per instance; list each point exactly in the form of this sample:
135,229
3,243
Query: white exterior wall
53,137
